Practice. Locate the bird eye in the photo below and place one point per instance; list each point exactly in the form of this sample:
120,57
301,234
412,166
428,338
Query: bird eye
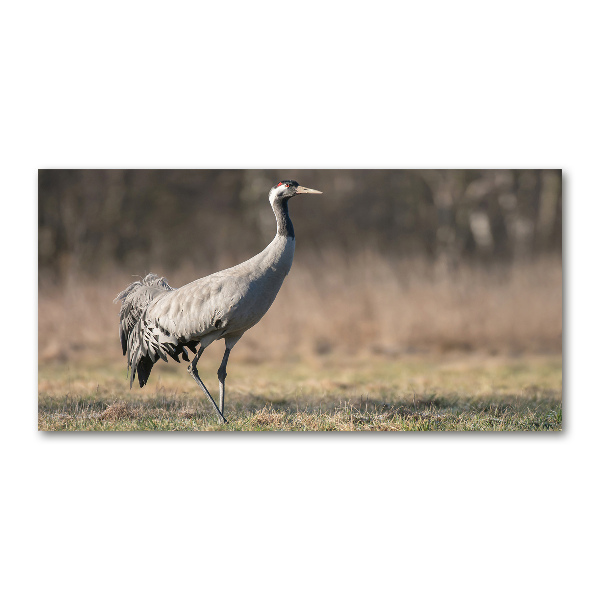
287,185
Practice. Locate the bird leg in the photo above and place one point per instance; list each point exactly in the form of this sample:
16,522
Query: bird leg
221,374
194,373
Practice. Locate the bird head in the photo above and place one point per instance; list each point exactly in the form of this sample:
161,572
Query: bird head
288,188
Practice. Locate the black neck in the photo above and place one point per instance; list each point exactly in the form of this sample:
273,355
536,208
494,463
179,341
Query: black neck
282,214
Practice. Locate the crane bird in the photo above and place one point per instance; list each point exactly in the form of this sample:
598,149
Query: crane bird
157,321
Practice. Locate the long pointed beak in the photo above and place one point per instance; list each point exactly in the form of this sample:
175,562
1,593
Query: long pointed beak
303,190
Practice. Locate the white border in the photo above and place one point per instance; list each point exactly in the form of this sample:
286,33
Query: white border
131,84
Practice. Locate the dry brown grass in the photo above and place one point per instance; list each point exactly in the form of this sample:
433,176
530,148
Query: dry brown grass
317,393
113,412
332,306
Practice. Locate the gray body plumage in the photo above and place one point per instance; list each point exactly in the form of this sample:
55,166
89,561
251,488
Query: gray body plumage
158,321
227,303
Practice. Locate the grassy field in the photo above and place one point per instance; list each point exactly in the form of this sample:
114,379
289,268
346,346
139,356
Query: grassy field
335,307
329,393
367,344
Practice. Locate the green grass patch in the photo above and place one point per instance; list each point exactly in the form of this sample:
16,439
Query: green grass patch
412,394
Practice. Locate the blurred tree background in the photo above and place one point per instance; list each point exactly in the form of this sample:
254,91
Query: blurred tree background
91,221
387,261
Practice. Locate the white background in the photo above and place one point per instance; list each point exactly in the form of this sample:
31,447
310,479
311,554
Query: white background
311,84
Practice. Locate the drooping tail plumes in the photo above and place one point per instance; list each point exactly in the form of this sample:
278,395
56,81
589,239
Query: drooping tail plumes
144,341
134,301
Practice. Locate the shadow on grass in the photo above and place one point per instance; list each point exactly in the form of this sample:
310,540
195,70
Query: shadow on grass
540,410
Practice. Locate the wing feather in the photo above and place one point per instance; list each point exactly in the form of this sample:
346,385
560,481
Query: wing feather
143,339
